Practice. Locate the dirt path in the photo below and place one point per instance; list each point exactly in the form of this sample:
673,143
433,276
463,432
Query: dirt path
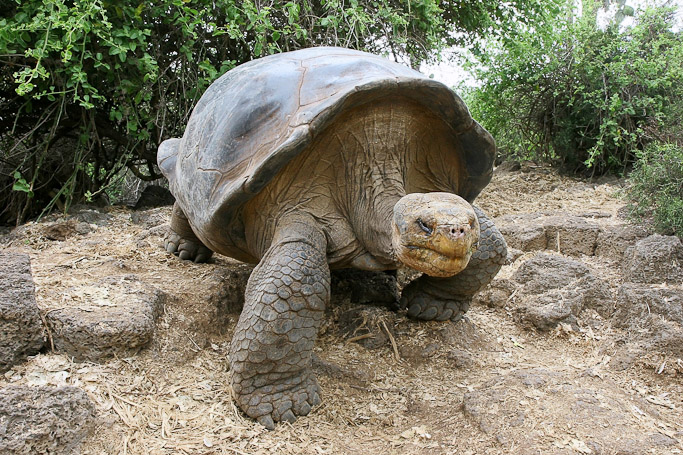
488,384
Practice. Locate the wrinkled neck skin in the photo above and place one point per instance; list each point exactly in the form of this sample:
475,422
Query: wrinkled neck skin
370,208
356,218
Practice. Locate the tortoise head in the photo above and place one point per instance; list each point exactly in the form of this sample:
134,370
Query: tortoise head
435,233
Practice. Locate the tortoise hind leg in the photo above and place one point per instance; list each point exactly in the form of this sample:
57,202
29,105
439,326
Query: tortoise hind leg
270,353
182,241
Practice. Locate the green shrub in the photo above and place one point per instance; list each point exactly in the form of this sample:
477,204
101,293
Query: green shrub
89,88
655,187
585,96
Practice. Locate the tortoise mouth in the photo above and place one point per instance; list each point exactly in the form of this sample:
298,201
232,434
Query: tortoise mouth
448,255
432,261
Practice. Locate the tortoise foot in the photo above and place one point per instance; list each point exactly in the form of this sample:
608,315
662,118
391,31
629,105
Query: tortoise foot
282,400
182,241
188,249
424,306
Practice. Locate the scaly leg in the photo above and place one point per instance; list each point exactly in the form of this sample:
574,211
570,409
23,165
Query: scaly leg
270,354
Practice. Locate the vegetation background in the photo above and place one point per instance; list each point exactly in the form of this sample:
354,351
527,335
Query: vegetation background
89,88
592,95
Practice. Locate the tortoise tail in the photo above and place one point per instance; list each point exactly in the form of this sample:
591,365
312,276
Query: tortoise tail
166,157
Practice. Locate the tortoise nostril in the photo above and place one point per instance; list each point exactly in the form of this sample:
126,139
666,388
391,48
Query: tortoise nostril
462,231
453,231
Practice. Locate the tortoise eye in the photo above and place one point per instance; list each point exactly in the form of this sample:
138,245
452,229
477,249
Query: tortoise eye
424,227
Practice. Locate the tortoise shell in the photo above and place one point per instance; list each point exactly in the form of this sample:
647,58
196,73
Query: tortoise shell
257,117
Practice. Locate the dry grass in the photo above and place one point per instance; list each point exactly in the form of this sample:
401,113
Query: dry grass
403,397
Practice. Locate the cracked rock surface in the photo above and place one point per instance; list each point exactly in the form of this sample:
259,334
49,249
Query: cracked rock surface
21,328
44,420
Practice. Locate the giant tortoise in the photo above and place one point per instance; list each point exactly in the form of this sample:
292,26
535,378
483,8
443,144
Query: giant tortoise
320,159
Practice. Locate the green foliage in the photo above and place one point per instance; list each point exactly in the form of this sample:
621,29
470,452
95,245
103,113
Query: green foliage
655,187
589,97
89,88
20,184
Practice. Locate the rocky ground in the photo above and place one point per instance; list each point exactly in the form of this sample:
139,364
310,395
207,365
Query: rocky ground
575,348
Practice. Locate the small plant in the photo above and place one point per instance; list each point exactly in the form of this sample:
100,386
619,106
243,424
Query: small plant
20,184
655,187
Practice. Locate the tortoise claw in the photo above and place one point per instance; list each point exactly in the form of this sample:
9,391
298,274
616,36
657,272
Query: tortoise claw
186,249
288,416
266,421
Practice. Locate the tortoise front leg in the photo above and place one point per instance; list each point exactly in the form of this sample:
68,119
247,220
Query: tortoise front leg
182,241
432,298
270,354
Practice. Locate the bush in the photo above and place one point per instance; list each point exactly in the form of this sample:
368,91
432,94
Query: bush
89,88
655,187
584,96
